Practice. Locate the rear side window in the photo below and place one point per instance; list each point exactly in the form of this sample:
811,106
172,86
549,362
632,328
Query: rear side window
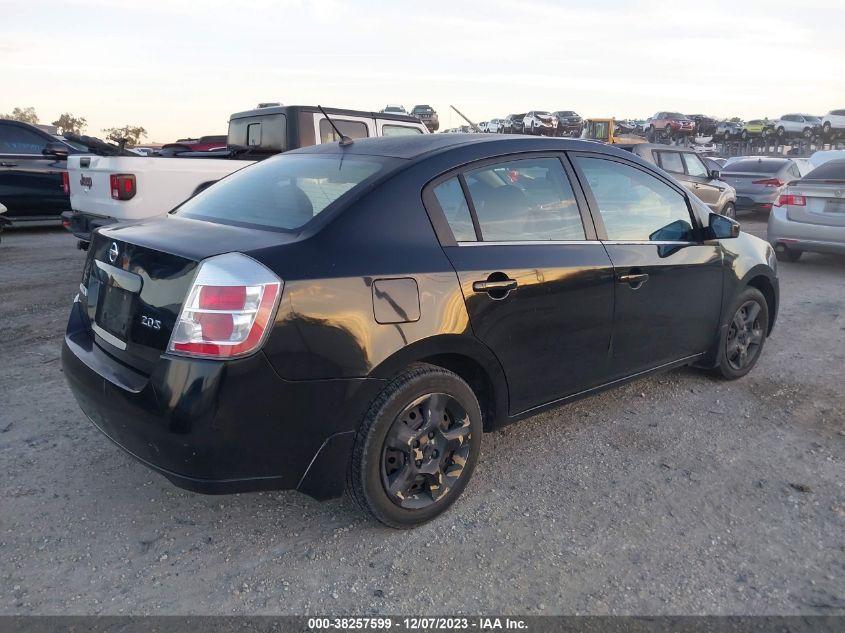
284,192
352,129
265,133
16,140
671,161
634,205
525,200
451,199
399,130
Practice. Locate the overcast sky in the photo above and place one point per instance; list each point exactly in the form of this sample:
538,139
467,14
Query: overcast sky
179,68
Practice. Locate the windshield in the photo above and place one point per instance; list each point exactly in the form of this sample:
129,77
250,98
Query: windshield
284,192
675,115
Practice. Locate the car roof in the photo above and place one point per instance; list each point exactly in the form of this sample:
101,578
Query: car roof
420,145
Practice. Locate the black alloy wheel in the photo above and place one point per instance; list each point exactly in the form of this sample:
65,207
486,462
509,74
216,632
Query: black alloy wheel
417,447
425,451
746,334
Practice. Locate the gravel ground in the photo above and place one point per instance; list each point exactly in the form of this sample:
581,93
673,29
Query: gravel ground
678,494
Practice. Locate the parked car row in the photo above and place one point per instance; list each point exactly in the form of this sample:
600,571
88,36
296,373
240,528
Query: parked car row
535,122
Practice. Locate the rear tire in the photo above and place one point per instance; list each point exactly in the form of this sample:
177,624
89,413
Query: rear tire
748,325
418,411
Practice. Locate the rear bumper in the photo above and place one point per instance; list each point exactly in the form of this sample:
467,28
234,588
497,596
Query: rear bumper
756,201
816,238
82,224
220,427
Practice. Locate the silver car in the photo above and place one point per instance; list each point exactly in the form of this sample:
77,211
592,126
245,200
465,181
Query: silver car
810,214
688,168
759,181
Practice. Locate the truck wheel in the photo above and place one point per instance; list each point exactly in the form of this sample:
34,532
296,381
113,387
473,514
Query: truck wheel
417,447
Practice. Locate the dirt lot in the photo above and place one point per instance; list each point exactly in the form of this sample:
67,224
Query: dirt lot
676,494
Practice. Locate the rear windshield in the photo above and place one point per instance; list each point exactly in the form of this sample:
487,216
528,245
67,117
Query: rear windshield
755,166
834,170
284,192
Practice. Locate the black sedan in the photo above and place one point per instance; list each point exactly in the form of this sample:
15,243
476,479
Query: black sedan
364,312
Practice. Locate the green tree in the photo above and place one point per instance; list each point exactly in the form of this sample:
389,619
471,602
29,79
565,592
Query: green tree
131,133
69,123
27,115
735,119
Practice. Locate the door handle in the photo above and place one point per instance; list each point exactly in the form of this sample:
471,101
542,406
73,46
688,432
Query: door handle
8,164
635,280
487,286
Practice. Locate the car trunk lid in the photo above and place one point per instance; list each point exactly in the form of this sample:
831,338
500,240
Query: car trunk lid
824,203
137,277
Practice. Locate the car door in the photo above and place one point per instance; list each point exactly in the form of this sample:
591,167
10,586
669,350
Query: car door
30,183
668,283
537,285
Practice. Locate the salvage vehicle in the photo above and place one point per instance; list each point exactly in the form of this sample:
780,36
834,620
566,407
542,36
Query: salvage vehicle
688,168
833,123
804,125
363,312
569,123
606,131
669,124
427,115
809,215
105,190
727,130
704,125
33,173
539,122
759,181
756,128
201,144
513,124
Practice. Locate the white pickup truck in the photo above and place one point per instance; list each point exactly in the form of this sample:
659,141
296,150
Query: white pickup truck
108,189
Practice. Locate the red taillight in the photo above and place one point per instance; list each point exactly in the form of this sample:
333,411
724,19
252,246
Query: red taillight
792,200
228,310
65,182
222,297
122,186
769,182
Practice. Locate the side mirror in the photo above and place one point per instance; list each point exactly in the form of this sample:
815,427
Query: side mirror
715,174
55,150
722,227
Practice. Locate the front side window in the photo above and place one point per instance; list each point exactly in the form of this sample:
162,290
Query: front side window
16,140
524,200
284,192
695,166
671,161
634,205
352,129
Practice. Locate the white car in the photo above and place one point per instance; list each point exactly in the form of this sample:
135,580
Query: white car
539,122
833,121
796,125
495,126
484,126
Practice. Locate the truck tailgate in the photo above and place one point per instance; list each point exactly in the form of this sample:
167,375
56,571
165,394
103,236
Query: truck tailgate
160,183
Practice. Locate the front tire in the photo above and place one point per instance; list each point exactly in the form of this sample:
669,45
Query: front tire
729,210
417,447
747,328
